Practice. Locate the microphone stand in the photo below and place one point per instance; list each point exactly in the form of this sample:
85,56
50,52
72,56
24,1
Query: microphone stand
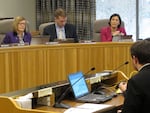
58,103
116,69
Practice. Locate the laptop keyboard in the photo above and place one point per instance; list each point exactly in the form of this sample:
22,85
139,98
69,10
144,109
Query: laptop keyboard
95,98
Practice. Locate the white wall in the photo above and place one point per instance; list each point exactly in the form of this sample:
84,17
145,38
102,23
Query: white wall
26,8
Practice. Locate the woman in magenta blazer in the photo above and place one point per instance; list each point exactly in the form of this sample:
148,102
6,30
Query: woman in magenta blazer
19,34
114,29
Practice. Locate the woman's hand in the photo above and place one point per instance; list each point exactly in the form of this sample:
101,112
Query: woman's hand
117,33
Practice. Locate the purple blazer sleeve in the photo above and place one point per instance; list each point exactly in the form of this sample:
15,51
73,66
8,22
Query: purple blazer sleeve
12,37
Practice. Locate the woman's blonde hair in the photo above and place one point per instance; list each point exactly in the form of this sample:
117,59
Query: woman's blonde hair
16,22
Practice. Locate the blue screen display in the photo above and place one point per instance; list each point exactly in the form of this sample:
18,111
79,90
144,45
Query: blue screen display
78,84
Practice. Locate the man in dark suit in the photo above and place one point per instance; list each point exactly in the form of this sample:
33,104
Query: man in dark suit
137,96
61,30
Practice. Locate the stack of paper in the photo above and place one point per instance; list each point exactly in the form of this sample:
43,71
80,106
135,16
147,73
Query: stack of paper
87,108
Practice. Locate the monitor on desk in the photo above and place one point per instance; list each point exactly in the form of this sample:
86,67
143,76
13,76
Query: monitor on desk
58,41
39,39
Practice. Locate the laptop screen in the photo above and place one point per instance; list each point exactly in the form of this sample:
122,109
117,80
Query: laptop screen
78,84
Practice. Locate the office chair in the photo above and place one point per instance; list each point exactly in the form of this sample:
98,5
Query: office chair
40,38
43,25
6,26
98,25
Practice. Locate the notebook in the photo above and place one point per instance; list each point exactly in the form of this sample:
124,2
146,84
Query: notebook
81,91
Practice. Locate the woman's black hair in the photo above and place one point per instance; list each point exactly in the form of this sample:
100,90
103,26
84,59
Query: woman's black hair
113,15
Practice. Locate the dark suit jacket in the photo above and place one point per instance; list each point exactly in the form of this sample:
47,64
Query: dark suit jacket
137,97
12,37
70,32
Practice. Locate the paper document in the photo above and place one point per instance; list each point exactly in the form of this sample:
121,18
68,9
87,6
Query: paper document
77,110
87,108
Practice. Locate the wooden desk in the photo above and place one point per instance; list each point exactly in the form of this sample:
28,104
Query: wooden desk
29,66
10,103
6,103
116,101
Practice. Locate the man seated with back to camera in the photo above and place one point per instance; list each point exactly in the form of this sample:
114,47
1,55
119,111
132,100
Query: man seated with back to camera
114,29
60,30
137,96
123,84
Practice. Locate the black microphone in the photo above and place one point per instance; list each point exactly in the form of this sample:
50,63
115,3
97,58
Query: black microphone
108,72
121,73
58,103
125,63
92,69
117,85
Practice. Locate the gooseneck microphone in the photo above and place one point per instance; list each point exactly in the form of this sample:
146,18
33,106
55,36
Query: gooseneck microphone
92,69
125,63
58,103
116,70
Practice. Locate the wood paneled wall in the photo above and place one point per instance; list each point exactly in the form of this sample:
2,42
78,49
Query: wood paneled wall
29,66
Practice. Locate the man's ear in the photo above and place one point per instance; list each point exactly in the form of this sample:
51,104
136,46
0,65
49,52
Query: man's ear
135,59
136,64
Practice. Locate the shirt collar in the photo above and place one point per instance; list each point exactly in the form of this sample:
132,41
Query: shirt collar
57,27
144,66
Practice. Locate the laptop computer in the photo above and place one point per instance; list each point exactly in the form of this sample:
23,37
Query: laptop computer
125,38
81,91
67,40
41,39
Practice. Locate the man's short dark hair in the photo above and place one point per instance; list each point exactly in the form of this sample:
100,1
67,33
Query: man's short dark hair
59,12
141,50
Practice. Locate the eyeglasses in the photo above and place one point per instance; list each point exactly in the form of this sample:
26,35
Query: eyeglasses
22,23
